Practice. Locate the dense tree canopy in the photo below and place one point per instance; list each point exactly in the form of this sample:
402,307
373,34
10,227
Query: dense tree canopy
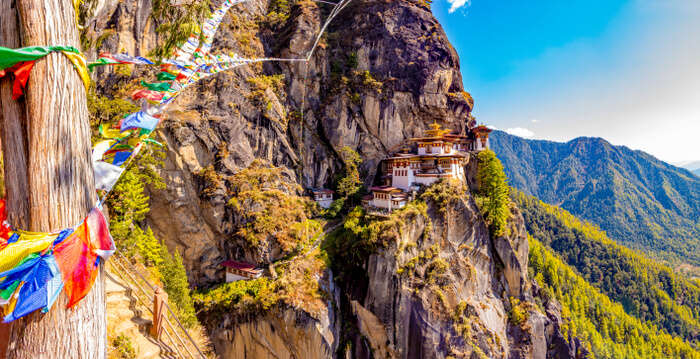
647,290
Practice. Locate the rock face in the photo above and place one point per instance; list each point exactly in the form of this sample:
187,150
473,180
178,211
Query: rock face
441,288
281,333
380,75
384,71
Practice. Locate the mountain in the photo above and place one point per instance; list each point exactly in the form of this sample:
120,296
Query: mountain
637,199
603,324
647,290
689,165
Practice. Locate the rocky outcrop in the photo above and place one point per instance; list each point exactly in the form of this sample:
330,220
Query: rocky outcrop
439,287
280,333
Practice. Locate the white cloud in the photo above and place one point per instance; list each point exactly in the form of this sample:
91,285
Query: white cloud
519,131
456,4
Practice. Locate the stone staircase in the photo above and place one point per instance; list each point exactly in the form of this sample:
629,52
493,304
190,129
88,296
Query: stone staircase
123,317
132,301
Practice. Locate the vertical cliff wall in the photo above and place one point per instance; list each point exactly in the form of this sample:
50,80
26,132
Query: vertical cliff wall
438,286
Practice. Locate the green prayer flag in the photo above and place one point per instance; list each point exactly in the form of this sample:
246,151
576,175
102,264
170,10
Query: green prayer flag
157,86
165,76
9,57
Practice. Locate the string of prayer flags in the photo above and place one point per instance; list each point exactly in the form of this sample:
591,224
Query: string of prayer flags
118,59
211,25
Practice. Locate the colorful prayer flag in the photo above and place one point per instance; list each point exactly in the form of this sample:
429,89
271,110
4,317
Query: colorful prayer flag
78,264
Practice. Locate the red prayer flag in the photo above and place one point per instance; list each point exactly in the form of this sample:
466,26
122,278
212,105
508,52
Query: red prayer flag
4,226
100,239
78,264
21,71
149,95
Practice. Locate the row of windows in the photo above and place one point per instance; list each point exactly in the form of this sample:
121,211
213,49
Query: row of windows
401,172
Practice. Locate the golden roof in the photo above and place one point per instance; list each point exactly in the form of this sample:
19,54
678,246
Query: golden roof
436,131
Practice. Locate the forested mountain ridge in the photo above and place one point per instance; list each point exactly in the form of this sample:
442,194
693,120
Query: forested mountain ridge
647,290
601,323
636,198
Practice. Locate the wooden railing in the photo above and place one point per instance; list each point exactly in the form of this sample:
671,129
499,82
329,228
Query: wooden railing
153,299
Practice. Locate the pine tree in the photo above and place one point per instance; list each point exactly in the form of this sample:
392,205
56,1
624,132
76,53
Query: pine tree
175,283
494,191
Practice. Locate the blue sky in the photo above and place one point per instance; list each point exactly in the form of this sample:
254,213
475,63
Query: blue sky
627,71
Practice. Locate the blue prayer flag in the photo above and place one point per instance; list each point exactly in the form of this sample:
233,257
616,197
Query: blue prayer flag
139,120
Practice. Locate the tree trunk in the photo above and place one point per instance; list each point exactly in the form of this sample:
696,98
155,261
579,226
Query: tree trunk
49,177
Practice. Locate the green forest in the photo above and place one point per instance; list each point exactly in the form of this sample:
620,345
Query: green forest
647,290
607,330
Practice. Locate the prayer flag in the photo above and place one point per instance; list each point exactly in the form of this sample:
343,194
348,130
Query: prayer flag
121,157
106,175
158,86
153,96
100,238
139,120
165,76
100,148
12,254
78,264
34,276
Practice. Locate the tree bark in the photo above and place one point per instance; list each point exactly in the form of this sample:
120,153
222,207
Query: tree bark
49,177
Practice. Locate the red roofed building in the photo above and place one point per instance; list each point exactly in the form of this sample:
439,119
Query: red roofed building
240,271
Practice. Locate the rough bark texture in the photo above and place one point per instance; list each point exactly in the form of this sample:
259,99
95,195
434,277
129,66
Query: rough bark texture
48,172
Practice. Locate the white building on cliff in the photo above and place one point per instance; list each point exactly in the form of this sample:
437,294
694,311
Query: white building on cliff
438,155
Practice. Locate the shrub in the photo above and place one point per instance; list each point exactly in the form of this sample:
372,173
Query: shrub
444,193
176,23
518,313
267,210
123,347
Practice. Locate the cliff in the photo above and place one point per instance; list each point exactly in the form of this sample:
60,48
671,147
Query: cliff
435,285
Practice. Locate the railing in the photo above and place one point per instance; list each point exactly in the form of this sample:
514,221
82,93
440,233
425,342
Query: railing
147,294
